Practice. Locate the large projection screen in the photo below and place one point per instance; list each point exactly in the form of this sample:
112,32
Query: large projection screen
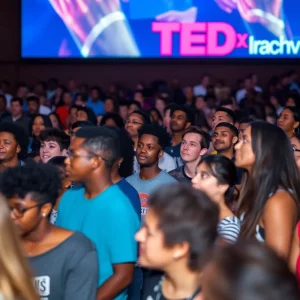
160,29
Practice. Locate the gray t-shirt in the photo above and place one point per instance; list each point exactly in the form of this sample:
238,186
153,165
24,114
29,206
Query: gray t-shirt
68,271
146,187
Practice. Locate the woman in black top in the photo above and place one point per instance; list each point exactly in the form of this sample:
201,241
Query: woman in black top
175,236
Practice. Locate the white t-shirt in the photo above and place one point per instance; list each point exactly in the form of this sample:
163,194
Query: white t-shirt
44,110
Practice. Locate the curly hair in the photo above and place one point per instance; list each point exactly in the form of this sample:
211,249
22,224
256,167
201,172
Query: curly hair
41,181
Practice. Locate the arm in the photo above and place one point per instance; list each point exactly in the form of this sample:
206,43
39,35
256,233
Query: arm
82,281
279,217
122,277
294,252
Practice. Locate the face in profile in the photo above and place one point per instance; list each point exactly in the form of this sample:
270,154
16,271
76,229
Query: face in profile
296,148
244,155
9,147
286,121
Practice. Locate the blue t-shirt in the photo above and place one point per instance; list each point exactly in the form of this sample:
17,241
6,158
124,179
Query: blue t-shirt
108,220
97,107
132,195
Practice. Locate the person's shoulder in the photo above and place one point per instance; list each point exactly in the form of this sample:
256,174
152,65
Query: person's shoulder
81,243
132,177
72,193
175,171
167,178
124,184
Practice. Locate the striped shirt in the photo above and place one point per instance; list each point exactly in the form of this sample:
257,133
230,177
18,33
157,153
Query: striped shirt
229,229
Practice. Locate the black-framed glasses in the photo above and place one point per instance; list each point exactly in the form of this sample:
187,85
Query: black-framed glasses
134,122
19,213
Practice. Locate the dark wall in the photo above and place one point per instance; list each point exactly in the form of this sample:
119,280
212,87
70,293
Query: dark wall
13,69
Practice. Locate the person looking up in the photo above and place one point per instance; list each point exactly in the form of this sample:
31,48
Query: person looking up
181,118
151,144
216,177
31,191
54,142
269,202
13,145
195,144
99,207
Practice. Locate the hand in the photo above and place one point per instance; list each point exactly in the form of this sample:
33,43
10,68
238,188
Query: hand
227,5
186,16
250,10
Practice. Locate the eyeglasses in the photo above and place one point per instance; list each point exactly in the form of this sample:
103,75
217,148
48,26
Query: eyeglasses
19,213
134,122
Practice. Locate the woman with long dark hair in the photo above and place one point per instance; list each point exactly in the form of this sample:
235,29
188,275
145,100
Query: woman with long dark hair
289,121
216,176
269,202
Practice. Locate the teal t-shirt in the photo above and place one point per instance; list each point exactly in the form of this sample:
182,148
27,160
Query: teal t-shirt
109,220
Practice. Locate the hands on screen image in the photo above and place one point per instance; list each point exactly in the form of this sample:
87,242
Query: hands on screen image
98,27
189,15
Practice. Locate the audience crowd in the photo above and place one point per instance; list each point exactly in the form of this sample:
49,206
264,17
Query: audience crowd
163,192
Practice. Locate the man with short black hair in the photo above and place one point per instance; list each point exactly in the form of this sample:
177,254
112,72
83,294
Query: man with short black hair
13,145
33,104
182,117
151,144
195,144
100,210
17,114
223,114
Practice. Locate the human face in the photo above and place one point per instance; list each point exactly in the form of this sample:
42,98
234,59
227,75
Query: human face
287,122
9,147
54,121
27,214
72,116
153,252
22,92
148,151
81,116
220,116
154,116
179,121
200,103
50,149
123,112
15,108
290,102
133,124
67,99
206,182
242,127
190,149
38,126
138,96
244,156
296,148
223,139
160,105
132,108
95,95
79,165
33,107
109,105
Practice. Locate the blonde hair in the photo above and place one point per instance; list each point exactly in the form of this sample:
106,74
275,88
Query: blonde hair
16,280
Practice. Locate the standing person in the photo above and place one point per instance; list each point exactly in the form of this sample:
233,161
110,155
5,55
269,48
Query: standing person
269,203
17,114
216,177
100,210
181,118
247,271
16,276
13,145
180,227
54,142
151,144
31,191
289,121
134,122
195,144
